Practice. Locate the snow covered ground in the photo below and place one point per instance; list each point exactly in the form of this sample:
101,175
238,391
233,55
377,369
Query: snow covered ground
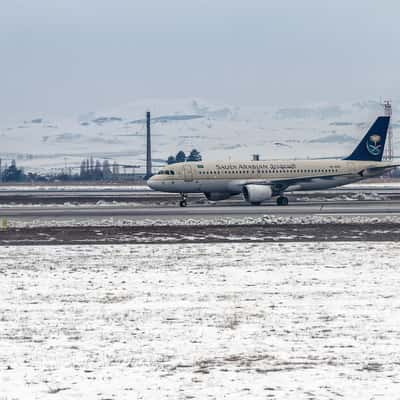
268,219
233,321
73,188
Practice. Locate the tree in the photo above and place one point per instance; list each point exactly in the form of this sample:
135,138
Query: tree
106,169
83,169
181,156
91,165
194,156
115,168
171,160
98,173
13,174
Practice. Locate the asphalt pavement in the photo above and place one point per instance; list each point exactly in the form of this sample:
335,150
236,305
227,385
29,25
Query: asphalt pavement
150,204
351,207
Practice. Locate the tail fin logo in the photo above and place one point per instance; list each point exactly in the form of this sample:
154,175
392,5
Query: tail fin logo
373,145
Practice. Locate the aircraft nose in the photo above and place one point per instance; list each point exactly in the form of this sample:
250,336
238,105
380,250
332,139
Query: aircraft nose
151,183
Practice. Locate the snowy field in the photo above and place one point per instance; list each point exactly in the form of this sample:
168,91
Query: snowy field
394,184
232,321
267,219
73,188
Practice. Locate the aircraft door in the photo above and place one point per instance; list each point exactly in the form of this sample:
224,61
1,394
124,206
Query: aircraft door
187,173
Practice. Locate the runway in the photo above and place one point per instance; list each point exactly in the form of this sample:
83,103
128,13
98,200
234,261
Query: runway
138,202
384,207
146,218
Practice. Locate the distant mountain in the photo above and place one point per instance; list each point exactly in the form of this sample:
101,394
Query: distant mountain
167,118
310,112
218,131
334,139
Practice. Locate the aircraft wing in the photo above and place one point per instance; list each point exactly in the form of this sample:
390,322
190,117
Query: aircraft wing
374,171
281,184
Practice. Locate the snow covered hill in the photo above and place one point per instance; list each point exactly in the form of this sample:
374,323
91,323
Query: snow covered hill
220,132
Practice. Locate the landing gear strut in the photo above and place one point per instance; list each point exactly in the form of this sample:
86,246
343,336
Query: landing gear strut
282,201
183,202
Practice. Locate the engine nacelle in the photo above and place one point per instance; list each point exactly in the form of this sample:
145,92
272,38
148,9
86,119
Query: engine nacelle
215,196
255,194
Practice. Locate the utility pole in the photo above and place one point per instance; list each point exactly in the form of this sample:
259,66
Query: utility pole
149,169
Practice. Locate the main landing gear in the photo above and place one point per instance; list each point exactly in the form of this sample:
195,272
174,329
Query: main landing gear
183,202
282,201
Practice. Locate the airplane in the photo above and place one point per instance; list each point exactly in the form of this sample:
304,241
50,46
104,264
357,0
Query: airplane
259,181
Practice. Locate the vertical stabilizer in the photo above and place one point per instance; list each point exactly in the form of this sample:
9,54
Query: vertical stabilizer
372,145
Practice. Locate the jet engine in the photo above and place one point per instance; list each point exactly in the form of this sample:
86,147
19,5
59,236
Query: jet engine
215,196
255,194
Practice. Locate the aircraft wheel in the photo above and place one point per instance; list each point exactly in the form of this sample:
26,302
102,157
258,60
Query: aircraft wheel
183,203
282,201
255,203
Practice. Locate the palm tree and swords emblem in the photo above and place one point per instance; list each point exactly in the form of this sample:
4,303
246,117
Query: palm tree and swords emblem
373,145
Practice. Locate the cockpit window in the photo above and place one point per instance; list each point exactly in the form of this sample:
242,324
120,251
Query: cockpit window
166,172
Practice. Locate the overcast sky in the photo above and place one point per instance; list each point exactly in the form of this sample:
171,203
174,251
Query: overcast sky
67,56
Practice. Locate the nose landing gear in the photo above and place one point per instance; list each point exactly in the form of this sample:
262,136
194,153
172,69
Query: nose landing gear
183,202
282,201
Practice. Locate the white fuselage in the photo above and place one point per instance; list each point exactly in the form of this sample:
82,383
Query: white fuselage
231,177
